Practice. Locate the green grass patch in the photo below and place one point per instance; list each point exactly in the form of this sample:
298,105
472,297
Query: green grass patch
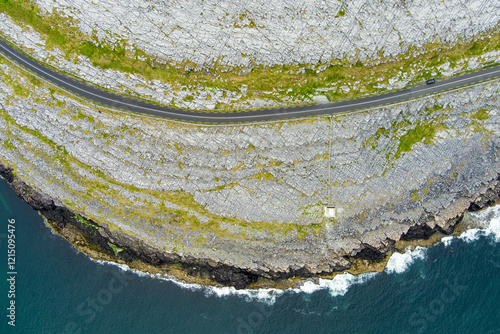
115,248
481,115
434,108
7,144
223,186
421,133
264,176
299,82
85,222
414,196
21,91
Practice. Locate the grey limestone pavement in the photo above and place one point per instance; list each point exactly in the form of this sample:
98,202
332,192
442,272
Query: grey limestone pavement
252,195
95,94
238,36
245,34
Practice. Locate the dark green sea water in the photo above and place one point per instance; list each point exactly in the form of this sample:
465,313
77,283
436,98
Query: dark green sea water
452,287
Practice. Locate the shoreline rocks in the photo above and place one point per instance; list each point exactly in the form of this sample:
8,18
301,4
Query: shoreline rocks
60,217
250,196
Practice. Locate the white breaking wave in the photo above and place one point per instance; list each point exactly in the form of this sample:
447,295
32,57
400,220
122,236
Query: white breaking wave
340,284
399,263
490,222
495,227
447,240
491,218
264,295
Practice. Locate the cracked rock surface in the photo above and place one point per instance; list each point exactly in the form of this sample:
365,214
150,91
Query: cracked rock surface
236,36
252,196
242,33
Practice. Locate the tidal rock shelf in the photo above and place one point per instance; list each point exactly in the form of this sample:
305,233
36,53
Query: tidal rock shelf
245,202
95,241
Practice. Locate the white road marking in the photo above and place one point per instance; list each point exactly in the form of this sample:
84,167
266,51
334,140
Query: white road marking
215,116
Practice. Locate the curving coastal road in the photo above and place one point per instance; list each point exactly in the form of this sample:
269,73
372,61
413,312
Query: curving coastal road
109,99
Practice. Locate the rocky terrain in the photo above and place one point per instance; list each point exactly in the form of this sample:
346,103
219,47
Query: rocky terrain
234,55
246,34
247,200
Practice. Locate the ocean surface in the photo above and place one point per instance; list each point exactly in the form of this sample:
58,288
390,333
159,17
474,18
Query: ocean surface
452,287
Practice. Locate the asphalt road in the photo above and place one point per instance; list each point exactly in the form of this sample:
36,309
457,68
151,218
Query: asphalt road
109,99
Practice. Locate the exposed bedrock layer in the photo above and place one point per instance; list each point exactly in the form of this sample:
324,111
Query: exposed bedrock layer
248,34
228,55
212,272
244,202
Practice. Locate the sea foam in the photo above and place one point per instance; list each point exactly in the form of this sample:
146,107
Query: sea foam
340,284
489,219
264,295
399,263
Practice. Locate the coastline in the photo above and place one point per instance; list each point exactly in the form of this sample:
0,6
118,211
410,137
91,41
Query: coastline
243,205
94,241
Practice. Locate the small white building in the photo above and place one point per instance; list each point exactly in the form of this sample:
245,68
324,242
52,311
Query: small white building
330,211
